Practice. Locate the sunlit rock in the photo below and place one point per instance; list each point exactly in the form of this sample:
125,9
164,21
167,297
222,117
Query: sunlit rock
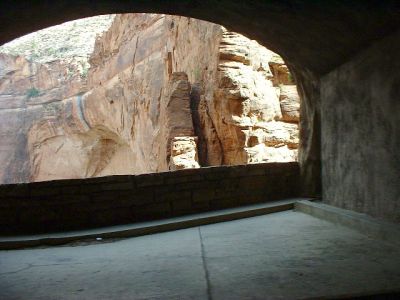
162,92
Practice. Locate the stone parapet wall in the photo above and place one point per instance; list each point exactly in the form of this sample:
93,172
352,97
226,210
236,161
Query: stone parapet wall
83,203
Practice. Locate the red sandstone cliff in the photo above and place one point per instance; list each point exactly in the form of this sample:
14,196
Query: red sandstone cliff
163,92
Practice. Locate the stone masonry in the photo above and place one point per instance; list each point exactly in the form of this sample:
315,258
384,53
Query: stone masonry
82,203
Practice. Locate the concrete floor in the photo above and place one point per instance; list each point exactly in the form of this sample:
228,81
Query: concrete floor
287,255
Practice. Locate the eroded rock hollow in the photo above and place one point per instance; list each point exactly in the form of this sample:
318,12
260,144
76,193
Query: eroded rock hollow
162,93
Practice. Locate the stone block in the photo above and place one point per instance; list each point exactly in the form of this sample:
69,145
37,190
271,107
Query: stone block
111,217
17,190
252,198
44,191
152,211
68,190
222,193
183,204
226,202
68,199
162,189
278,169
6,202
117,186
203,195
203,184
236,171
47,202
68,182
104,196
103,179
149,180
90,188
186,172
217,175
173,195
201,206
116,201
37,215
20,203
183,179
8,216
142,196
254,182
42,184
229,184
254,172
73,216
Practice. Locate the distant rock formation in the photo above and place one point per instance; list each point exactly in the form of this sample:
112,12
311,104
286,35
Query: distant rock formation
163,93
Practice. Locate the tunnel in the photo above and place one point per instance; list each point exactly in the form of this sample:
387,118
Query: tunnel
319,41
343,56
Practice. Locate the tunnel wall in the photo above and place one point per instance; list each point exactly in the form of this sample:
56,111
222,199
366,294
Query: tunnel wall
360,113
318,37
82,203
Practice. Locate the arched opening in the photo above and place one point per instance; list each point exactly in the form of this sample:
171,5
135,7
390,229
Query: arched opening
347,50
268,33
318,27
148,93
142,93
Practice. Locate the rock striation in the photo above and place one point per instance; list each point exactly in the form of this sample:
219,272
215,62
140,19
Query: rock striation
162,93
31,94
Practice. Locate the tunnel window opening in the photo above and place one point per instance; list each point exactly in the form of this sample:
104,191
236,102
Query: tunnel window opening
141,93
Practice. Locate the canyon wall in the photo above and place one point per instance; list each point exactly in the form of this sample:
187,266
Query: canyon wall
163,92
30,93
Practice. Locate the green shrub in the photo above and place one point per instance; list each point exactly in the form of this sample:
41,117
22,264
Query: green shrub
84,73
84,70
34,56
32,93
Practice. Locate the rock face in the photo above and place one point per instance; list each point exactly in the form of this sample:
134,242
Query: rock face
30,94
71,42
244,106
163,92
183,154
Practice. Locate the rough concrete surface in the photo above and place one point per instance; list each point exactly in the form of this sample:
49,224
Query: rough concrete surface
360,132
363,223
287,255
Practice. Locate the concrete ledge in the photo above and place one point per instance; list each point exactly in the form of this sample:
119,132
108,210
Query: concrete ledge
361,222
138,229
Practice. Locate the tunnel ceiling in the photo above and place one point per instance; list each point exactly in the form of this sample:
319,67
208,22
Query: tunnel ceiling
314,35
